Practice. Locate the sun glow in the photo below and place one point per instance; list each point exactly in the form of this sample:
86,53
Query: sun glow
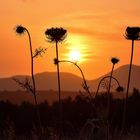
76,48
74,55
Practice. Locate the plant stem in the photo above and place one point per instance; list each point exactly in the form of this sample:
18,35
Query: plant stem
97,91
32,69
33,81
59,92
108,103
84,80
127,92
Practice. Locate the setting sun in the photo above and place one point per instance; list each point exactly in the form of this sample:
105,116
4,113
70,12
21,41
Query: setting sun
76,49
74,56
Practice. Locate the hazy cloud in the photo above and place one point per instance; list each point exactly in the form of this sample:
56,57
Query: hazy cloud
95,33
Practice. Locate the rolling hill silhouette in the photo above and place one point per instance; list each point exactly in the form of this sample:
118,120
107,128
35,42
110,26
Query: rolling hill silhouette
121,74
44,81
71,82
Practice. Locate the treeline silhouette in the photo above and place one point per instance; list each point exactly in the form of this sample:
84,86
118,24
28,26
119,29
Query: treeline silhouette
81,119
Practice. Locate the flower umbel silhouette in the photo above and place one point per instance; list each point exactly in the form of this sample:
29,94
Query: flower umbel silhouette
132,33
20,29
119,89
114,60
56,34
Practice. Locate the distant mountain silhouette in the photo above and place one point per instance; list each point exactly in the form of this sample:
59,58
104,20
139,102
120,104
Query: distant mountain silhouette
121,74
71,82
44,81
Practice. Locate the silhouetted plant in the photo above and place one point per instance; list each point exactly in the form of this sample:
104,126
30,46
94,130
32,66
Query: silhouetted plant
84,84
108,87
131,33
38,52
114,61
24,84
92,129
21,30
118,89
56,35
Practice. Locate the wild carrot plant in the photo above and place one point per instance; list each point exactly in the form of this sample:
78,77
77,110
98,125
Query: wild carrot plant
56,35
133,34
26,85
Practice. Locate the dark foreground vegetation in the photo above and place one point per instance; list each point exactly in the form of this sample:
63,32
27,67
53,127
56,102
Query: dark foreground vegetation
83,119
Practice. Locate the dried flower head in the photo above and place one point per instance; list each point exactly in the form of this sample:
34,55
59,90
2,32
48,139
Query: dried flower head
56,34
119,89
20,29
114,60
132,33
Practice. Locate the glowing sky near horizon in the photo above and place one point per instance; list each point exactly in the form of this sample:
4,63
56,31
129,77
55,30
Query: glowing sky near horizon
95,29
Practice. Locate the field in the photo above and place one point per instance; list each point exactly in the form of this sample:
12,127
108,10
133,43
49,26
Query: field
82,118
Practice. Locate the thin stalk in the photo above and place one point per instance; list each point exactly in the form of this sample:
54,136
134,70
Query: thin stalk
97,91
84,80
127,92
33,81
59,93
32,68
108,103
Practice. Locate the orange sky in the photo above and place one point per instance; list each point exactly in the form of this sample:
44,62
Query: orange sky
95,28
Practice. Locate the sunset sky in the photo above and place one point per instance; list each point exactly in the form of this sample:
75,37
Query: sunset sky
95,30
